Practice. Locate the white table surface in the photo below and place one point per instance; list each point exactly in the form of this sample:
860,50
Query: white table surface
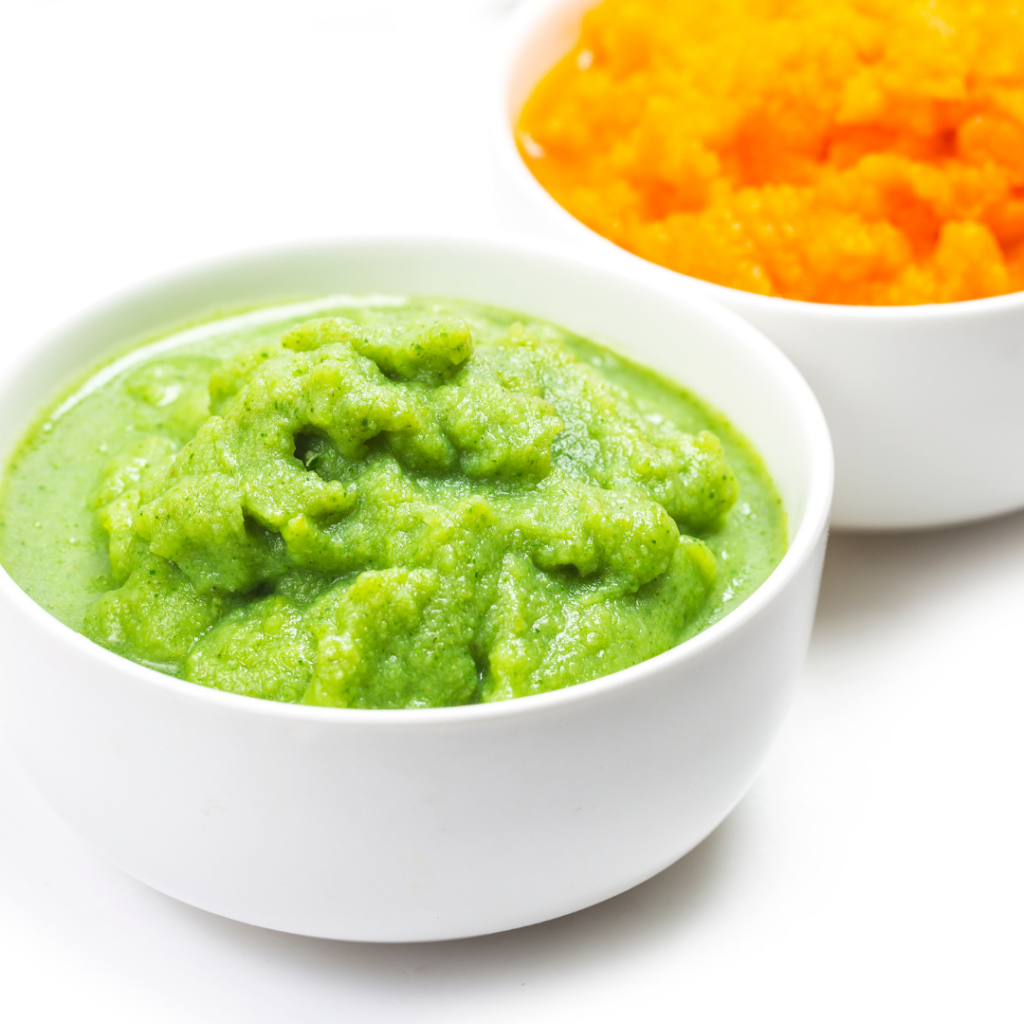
873,873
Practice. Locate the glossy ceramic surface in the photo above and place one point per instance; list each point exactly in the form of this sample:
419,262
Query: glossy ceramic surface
426,824
925,404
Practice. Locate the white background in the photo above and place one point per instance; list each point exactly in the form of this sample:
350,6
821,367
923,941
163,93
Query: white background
874,872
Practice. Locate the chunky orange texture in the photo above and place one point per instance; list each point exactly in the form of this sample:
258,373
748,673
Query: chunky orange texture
853,151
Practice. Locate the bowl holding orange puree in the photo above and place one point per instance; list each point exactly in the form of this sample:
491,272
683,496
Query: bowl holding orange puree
846,174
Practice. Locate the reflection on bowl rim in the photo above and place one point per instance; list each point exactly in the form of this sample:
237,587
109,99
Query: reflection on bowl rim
800,547
527,21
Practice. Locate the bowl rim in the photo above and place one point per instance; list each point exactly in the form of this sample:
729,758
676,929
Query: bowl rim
802,544
526,20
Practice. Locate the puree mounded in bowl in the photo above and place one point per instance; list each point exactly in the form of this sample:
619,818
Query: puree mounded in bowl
385,503
866,152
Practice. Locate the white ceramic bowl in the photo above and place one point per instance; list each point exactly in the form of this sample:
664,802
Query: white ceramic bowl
425,824
925,403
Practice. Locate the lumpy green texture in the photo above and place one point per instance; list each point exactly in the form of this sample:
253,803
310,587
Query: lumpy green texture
385,504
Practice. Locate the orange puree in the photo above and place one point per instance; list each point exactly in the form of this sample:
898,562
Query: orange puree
857,151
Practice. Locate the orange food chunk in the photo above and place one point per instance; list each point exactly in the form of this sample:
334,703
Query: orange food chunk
845,151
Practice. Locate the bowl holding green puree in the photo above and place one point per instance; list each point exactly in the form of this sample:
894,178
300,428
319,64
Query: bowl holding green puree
404,588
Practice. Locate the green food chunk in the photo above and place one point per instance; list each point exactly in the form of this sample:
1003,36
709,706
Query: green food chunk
401,505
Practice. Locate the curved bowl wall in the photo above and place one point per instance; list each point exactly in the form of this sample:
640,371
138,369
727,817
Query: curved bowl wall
425,824
925,404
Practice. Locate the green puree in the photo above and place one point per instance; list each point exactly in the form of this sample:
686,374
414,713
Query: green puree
385,503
